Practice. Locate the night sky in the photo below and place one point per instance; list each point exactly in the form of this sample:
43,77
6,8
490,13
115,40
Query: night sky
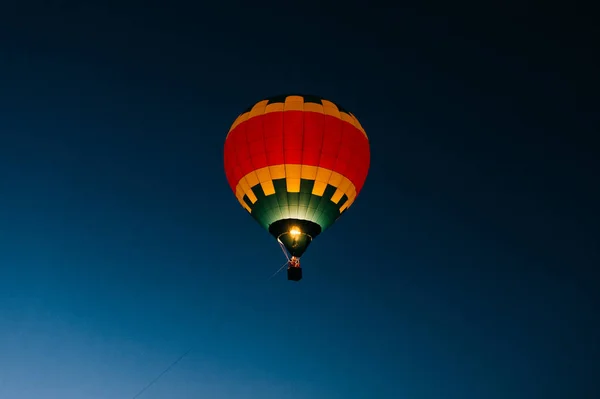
466,269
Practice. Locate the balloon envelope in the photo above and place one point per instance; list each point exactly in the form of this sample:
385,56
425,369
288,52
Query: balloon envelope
296,163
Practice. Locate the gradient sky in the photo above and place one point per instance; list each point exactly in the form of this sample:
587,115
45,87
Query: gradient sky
466,269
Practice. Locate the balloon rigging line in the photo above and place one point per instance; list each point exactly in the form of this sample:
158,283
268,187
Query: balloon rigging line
161,374
283,249
277,272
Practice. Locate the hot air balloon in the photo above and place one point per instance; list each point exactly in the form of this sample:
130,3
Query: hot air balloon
296,163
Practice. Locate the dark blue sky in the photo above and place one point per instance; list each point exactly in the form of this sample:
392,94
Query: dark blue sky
466,269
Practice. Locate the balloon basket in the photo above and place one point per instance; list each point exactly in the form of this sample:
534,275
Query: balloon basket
294,271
